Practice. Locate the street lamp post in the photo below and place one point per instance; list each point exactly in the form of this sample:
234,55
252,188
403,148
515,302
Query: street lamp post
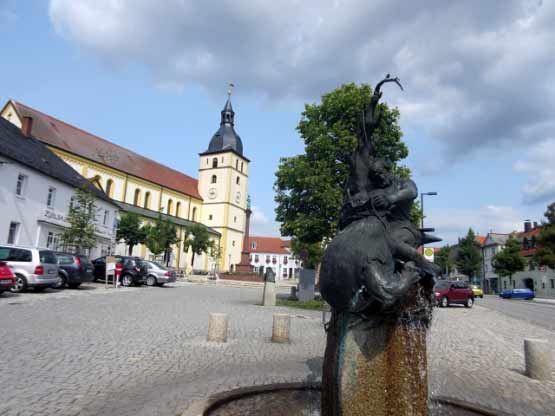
422,205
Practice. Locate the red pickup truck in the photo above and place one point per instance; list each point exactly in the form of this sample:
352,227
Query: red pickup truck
448,292
7,278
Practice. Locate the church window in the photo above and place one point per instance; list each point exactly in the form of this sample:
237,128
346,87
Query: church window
194,214
214,179
207,161
210,217
178,209
109,187
233,243
222,159
137,197
241,166
237,164
214,163
170,206
234,219
237,181
147,200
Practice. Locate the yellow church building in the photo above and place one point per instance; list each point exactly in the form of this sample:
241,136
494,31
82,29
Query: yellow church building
217,198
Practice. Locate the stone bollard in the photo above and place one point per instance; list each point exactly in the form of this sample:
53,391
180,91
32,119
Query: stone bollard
538,358
280,327
217,327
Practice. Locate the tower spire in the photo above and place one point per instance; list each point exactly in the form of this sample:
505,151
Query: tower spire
228,115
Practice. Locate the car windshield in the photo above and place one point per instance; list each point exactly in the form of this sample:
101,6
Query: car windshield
158,265
441,285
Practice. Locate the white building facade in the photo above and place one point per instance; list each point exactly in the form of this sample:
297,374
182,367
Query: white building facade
35,205
273,253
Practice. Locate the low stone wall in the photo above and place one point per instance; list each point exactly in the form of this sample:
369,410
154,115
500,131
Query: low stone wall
242,277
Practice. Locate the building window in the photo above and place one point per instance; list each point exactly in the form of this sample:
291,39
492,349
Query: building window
237,180
194,214
256,259
214,179
233,243
504,284
109,187
51,197
241,166
267,259
210,217
170,206
253,245
137,197
147,200
234,219
274,259
21,185
214,163
552,283
106,217
12,234
237,164
543,285
178,209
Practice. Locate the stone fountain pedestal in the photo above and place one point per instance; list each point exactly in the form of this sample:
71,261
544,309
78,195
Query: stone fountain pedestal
377,366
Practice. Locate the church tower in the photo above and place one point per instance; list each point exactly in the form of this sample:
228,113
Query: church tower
223,185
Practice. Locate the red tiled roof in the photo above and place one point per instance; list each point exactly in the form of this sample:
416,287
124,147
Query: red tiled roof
272,245
61,135
481,239
533,232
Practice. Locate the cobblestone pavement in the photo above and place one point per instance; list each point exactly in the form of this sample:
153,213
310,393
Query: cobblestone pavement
142,351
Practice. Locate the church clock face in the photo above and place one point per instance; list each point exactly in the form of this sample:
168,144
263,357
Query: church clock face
238,197
212,193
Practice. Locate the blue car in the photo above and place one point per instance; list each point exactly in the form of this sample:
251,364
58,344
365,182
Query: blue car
517,294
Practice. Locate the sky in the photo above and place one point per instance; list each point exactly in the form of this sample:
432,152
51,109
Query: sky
477,110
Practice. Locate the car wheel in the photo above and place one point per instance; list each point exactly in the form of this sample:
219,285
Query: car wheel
151,281
61,282
126,280
444,302
74,285
469,302
20,284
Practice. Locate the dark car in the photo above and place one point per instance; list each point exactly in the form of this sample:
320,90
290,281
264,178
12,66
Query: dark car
74,270
133,270
517,294
7,278
448,292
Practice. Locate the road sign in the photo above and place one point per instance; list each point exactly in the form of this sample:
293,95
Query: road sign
429,254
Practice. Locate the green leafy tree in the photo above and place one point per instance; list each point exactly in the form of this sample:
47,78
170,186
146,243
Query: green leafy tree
216,255
80,236
160,237
309,187
509,260
545,254
130,230
443,260
469,257
197,238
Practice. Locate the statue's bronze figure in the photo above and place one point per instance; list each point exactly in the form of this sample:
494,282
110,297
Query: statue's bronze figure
373,260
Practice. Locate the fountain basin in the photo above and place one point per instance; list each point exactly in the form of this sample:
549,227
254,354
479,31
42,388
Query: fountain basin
303,399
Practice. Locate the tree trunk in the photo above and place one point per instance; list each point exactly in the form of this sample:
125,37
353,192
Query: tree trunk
193,261
131,249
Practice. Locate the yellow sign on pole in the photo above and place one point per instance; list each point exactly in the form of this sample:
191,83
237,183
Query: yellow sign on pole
429,254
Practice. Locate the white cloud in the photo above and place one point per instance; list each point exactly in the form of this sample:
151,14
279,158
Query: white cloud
262,226
539,164
475,74
450,224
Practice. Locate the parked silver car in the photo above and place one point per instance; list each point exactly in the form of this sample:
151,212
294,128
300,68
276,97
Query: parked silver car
158,274
32,267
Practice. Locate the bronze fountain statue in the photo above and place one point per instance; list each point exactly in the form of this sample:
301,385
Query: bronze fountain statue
379,287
